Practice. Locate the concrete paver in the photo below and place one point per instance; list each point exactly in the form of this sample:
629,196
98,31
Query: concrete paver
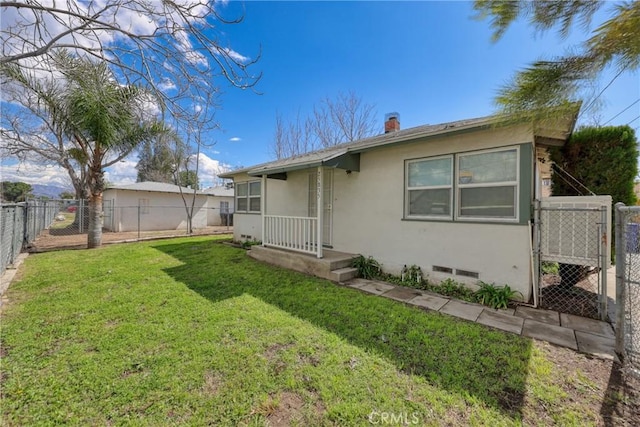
431,302
358,283
545,316
583,324
376,288
564,337
566,330
402,294
503,321
597,345
462,310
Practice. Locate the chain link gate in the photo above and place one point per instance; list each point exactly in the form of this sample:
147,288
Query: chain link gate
572,254
628,285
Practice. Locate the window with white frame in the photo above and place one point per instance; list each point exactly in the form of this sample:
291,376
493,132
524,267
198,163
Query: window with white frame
488,184
483,185
248,197
429,188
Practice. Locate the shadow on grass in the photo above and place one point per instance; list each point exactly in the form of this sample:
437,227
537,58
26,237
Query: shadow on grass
459,356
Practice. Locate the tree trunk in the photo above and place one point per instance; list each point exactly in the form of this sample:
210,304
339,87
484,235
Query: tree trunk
96,217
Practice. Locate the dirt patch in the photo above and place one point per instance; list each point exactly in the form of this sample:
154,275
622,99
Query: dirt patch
212,383
289,409
599,385
272,353
580,299
56,239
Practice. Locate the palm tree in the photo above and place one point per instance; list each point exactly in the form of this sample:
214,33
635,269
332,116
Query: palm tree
104,120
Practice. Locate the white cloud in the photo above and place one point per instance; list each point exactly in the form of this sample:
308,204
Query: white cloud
235,139
209,169
234,55
32,173
121,173
166,85
124,172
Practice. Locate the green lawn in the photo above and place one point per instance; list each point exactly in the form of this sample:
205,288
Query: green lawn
190,331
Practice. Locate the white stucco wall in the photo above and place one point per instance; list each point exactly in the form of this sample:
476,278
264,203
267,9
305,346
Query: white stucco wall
368,209
213,209
166,211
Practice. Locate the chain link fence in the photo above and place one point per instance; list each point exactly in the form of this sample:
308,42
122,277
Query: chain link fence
21,224
132,222
572,260
628,285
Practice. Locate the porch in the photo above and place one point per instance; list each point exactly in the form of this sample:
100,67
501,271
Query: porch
334,265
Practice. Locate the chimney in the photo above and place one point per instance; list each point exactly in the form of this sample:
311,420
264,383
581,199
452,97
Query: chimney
391,122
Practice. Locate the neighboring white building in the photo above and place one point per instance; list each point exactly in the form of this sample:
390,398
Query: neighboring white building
221,204
454,198
158,206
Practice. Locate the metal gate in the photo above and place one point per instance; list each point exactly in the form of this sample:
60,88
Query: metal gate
572,253
628,285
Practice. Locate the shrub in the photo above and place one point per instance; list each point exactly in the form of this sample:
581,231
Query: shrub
368,268
495,296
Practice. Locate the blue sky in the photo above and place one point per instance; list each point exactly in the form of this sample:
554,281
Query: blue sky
432,62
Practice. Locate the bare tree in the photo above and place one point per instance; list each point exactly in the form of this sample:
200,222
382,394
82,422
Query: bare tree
176,49
345,119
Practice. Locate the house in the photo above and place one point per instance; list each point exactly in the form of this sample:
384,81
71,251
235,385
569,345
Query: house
454,198
160,206
221,203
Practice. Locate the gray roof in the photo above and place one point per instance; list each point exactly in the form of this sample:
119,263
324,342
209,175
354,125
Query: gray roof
219,191
158,187
317,158
341,153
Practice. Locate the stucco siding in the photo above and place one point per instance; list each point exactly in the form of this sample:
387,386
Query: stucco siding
368,210
213,209
165,211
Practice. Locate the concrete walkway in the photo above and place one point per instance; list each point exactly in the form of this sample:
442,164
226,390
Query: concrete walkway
566,330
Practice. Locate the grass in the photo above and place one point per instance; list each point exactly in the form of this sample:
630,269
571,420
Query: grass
69,217
189,331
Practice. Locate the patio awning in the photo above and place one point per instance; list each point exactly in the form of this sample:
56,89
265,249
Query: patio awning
340,160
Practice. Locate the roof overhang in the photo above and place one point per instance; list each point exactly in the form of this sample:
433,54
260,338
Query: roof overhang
342,160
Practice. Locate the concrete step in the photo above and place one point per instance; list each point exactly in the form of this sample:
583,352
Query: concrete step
344,274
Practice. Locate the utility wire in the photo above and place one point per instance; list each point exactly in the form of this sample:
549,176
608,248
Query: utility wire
638,117
601,92
634,103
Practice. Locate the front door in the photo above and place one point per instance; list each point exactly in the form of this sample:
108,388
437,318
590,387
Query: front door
327,228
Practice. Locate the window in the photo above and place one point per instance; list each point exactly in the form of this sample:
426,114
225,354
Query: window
488,184
429,185
224,207
248,197
483,185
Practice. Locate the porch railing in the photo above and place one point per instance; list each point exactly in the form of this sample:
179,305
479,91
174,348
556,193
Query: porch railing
296,233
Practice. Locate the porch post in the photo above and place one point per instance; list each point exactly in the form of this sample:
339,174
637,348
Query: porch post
263,209
319,206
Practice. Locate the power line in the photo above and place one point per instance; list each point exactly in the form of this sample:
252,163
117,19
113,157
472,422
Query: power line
601,92
634,103
638,117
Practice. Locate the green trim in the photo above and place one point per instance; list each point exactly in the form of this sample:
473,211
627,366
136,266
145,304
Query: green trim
526,189
449,221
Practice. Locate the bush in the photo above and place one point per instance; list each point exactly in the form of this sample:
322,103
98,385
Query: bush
495,296
368,268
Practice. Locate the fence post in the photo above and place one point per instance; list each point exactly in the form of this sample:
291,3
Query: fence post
536,252
620,290
604,241
138,219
